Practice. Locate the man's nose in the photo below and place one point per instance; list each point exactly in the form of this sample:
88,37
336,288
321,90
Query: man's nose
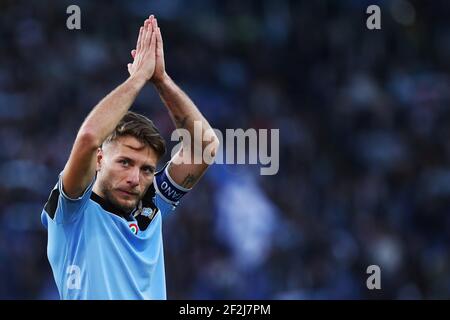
133,177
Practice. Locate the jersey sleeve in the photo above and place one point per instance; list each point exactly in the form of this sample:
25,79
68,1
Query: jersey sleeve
61,208
168,193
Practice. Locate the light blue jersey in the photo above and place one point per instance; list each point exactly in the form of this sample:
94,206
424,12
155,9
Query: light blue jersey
96,254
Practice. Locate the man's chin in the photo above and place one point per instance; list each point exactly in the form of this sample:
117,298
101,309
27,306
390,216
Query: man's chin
124,204
127,202
127,206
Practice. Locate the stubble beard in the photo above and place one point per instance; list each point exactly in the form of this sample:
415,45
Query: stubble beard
109,196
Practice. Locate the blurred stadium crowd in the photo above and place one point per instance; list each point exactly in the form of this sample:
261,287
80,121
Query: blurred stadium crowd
364,122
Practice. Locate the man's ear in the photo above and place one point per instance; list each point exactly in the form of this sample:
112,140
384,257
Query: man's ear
99,159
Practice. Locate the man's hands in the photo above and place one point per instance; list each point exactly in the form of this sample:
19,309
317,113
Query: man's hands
145,54
157,50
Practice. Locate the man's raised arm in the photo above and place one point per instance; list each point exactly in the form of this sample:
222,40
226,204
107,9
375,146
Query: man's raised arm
185,115
101,121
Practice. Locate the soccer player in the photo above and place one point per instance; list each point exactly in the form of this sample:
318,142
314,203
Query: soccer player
105,213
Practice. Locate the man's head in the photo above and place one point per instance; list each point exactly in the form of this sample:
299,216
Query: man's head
127,161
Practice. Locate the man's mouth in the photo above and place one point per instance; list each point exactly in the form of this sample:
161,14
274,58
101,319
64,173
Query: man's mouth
127,193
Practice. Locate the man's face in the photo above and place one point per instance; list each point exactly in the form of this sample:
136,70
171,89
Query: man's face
125,171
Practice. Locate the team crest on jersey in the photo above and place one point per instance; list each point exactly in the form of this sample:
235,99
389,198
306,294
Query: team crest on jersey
134,228
147,212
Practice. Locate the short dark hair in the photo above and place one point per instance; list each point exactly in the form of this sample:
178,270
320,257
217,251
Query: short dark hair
143,129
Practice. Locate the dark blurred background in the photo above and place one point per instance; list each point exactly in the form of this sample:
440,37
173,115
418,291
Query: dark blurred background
364,122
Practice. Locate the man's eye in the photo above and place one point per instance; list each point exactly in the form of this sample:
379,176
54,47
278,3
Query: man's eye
148,170
124,162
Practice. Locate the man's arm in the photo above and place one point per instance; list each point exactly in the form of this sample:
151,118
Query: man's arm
80,168
184,114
